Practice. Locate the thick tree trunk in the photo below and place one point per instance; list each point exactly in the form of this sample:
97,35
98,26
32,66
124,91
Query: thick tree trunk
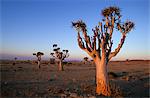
39,63
60,66
102,82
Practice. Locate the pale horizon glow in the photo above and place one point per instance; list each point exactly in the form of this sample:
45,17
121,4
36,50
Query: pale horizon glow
29,26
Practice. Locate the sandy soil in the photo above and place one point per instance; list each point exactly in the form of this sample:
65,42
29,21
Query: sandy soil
24,79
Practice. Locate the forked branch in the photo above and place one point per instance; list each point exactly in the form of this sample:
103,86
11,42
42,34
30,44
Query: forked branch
100,44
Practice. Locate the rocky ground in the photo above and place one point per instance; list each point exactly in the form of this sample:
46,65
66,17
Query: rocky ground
24,79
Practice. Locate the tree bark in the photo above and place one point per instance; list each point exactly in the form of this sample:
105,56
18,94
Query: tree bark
102,82
60,67
39,63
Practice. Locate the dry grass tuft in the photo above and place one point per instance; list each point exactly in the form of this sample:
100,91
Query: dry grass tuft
115,90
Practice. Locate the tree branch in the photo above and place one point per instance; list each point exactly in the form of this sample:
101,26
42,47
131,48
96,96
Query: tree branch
80,42
112,54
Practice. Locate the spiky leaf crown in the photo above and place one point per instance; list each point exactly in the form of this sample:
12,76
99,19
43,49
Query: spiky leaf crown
79,25
51,53
40,53
129,25
54,45
111,10
34,53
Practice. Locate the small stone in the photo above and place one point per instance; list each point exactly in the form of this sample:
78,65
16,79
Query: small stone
73,80
73,95
67,89
125,78
63,95
5,82
92,97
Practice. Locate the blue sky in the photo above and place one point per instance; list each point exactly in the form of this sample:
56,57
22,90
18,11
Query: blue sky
29,26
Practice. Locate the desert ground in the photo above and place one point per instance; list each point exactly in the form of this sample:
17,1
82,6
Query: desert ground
25,79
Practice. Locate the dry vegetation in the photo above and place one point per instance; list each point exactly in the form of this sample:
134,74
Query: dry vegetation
24,79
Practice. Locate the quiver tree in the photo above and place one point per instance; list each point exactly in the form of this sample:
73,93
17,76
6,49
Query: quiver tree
38,55
60,55
85,59
15,59
99,46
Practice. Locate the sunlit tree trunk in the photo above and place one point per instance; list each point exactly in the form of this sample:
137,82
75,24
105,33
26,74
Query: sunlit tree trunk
39,63
60,67
102,83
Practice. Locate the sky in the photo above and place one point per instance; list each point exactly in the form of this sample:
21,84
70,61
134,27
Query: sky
29,26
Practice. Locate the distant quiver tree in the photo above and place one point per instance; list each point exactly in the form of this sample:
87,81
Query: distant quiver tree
15,60
99,46
60,55
85,59
38,55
